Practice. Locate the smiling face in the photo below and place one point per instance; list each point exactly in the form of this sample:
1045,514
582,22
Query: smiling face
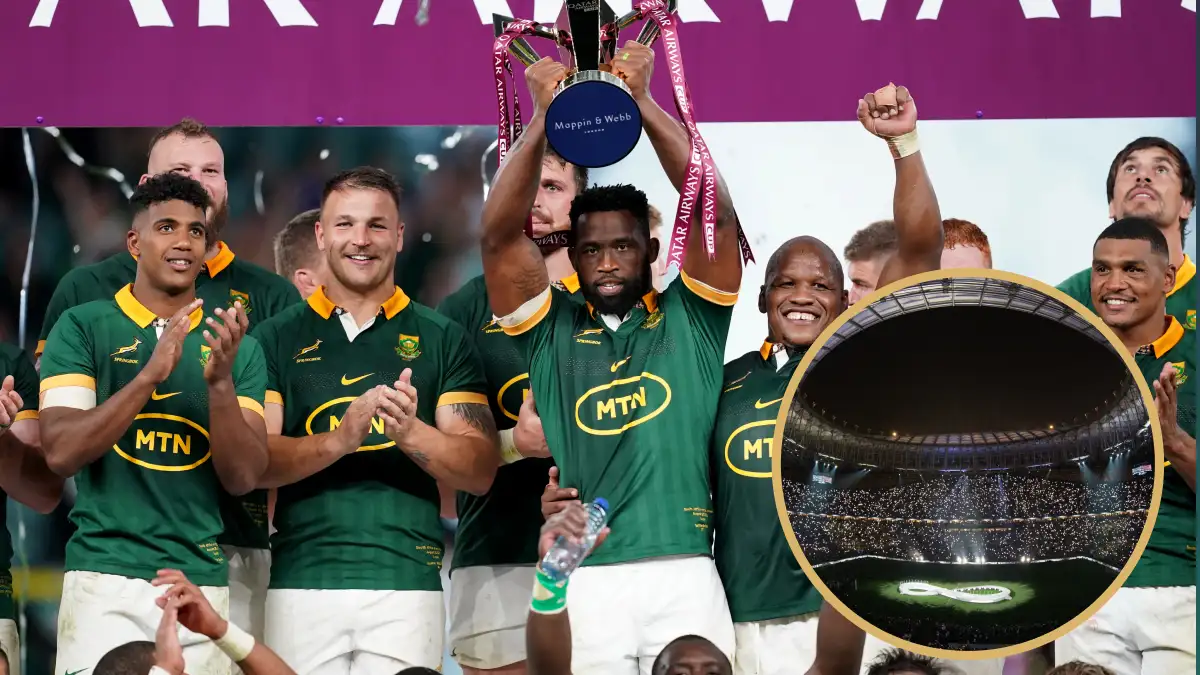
1129,282
168,240
360,233
803,293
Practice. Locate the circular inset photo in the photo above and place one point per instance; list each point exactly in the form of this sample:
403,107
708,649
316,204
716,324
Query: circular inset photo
968,464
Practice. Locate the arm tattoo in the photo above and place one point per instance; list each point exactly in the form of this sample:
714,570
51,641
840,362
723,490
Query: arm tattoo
477,415
420,458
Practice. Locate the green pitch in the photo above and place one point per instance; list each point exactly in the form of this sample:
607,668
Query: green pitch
1044,596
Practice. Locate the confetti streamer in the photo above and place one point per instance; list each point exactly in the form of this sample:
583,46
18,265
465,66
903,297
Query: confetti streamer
483,167
101,171
259,202
22,333
423,13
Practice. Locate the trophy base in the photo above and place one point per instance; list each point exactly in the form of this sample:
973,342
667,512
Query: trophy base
593,121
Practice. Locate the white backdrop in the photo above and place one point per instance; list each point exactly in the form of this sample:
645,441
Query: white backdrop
1036,187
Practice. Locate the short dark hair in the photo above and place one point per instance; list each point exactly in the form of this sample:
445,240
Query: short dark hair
611,198
131,658
186,127
363,178
169,187
1080,668
1140,229
580,173
1187,181
898,660
296,244
418,670
875,239
660,663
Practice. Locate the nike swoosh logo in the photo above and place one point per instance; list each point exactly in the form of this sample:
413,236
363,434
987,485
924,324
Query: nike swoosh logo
77,672
618,364
760,405
347,381
154,396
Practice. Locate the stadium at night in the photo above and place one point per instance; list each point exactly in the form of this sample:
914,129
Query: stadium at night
968,464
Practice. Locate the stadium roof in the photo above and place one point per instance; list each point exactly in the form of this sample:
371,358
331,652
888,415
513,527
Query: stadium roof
964,361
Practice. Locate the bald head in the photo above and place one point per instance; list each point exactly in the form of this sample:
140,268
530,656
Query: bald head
810,245
691,655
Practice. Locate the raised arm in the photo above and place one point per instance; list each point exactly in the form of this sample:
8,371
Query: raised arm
891,114
674,148
512,263
460,450
75,431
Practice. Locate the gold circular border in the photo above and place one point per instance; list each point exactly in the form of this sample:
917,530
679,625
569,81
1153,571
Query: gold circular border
786,405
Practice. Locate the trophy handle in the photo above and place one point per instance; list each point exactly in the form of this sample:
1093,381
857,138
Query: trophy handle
650,30
520,47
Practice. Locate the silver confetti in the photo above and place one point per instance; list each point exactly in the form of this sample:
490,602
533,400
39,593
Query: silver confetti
428,161
483,168
423,13
102,171
259,203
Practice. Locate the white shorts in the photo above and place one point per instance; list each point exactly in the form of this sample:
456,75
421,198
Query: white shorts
10,642
873,647
623,615
249,577
102,611
349,632
1137,632
776,646
488,609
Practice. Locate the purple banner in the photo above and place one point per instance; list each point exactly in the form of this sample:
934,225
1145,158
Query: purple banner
368,62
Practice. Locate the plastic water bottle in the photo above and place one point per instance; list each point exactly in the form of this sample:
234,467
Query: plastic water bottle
564,557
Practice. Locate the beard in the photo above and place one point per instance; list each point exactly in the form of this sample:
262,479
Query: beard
217,219
620,304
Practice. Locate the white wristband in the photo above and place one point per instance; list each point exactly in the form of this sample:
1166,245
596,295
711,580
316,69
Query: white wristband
904,145
236,643
508,448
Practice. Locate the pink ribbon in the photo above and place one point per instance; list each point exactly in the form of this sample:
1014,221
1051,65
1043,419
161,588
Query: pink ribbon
508,131
700,179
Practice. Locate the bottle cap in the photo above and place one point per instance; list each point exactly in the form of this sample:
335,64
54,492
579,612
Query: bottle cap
601,502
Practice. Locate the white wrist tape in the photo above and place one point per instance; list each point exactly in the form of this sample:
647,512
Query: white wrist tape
236,643
508,448
904,145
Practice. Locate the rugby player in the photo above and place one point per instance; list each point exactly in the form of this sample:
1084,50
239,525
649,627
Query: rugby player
775,609
1151,178
495,546
190,149
867,252
297,257
372,399
626,385
24,476
549,629
1149,626
965,246
155,418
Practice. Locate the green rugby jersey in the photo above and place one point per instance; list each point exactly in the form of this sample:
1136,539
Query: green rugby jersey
370,520
154,501
1181,301
14,361
628,412
762,578
1170,556
263,294
501,527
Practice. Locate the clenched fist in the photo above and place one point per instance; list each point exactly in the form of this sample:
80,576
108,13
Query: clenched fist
543,78
888,112
634,64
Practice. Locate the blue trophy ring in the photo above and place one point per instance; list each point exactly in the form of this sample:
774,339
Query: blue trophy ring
593,121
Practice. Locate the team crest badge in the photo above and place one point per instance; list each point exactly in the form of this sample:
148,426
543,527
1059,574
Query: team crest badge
205,355
1180,375
653,320
409,347
1190,323
238,296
